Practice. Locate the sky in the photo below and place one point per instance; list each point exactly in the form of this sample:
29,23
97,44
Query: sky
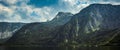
28,11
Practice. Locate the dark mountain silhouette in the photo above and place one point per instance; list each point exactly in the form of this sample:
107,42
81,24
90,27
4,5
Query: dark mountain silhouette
95,25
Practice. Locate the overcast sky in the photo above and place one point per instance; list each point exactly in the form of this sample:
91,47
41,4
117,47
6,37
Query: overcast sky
42,10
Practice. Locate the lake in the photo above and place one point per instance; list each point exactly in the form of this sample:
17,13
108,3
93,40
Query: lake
57,48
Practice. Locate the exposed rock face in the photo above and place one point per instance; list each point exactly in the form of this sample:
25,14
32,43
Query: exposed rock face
96,24
61,18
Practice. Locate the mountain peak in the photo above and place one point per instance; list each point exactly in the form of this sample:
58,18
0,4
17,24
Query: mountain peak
96,4
100,6
64,13
61,18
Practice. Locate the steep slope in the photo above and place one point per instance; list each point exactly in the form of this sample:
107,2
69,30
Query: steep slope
96,24
61,18
40,33
115,41
7,29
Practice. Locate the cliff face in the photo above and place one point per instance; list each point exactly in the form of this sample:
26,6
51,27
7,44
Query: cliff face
96,24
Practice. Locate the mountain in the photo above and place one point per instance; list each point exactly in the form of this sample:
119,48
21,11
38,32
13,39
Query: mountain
95,25
61,18
40,33
7,29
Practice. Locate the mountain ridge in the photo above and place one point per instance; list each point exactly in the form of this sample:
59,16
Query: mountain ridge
93,25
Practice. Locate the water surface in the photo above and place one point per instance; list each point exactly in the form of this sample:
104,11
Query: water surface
56,48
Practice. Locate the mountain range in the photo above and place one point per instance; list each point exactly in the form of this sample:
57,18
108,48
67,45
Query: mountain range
95,25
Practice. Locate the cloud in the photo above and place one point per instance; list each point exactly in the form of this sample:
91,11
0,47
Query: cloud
24,13
5,12
41,11
33,14
74,6
10,2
